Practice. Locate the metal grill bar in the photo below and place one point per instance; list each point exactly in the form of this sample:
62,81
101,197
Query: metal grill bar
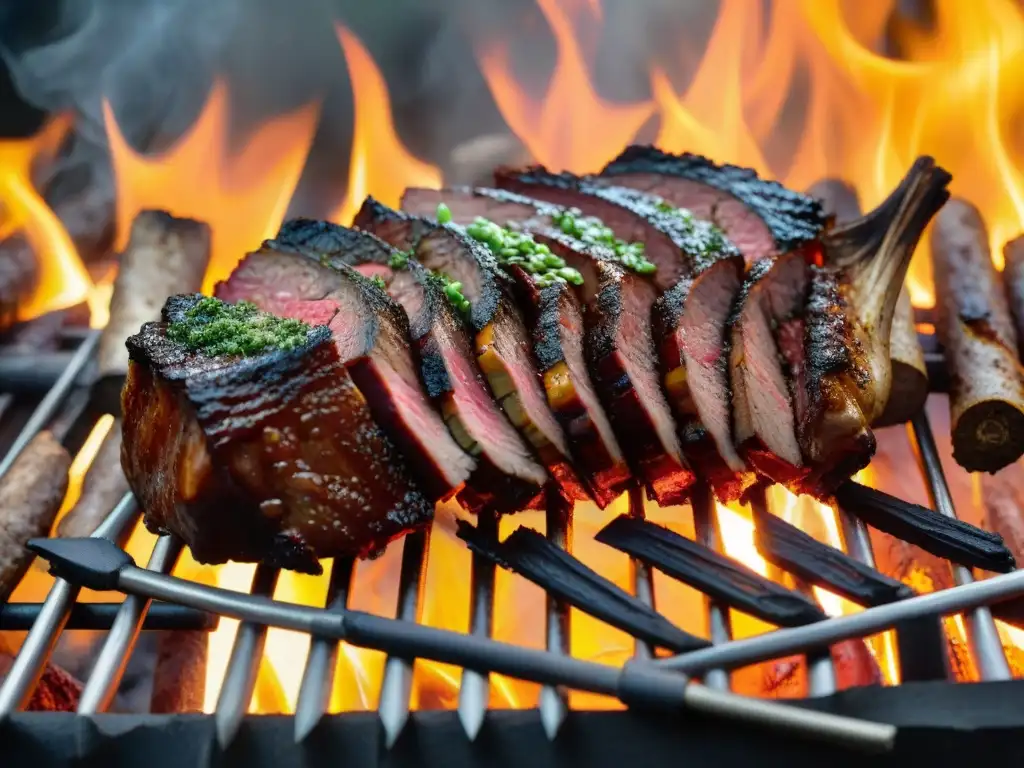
244,664
396,687
48,407
983,637
20,617
318,677
475,688
705,529
554,702
41,639
110,664
643,580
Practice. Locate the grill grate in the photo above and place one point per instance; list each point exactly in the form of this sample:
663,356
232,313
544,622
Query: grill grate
67,400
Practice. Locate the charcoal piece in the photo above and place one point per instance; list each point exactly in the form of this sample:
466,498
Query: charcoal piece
942,536
720,577
560,574
793,550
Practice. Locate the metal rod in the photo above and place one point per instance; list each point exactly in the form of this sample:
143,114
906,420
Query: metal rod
49,405
983,637
643,580
554,700
475,688
318,677
705,526
32,372
28,665
20,617
637,684
821,670
109,668
244,664
396,687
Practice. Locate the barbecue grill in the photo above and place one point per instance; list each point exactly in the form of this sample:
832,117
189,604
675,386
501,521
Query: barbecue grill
935,718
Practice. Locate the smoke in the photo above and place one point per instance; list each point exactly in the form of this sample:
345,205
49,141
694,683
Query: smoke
155,60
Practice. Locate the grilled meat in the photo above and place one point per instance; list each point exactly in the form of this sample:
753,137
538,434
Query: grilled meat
761,217
507,475
372,335
501,340
272,457
621,357
690,345
766,331
846,372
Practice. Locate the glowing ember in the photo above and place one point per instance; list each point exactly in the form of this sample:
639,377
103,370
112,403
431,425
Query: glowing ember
379,164
242,193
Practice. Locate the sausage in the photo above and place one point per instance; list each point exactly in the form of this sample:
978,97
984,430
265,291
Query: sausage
986,396
19,273
30,496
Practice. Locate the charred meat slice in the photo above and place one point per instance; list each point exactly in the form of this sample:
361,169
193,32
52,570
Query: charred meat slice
847,369
675,241
272,457
766,332
507,476
556,319
501,340
371,333
761,217
621,355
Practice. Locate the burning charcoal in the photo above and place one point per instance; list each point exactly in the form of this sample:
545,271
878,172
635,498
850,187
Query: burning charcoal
909,388
104,485
536,559
179,677
940,535
30,496
974,325
717,576
1013,274
165,256
19,272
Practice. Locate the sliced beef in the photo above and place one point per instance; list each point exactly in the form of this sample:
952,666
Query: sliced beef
681,247
556,321
516,212
766,332
677,243
272,458
621,355
501,340
761,217
371,333
507,475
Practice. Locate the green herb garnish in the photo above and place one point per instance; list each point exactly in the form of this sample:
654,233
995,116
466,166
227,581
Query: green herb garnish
590,229
400,259
216,328
379,282
520,249
444,213
453,292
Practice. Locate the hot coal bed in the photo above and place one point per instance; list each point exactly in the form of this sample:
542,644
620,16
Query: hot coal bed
937,720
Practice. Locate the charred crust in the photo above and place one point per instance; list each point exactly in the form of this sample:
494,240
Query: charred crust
290,552
827,334
547,340
793,219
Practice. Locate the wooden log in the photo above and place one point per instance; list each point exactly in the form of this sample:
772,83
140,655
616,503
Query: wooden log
909,374
103,487
30,496
179,677
1013,277
19,272
974,326
165,256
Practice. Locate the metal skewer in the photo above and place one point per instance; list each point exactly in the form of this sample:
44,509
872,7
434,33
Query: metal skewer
474,691
981,628
705,526
554,701
643,580
318,677
396,687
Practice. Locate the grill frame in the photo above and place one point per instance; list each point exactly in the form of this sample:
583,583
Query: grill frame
67,401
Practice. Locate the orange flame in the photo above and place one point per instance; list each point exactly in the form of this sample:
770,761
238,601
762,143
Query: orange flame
63,281
243,195
379,164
